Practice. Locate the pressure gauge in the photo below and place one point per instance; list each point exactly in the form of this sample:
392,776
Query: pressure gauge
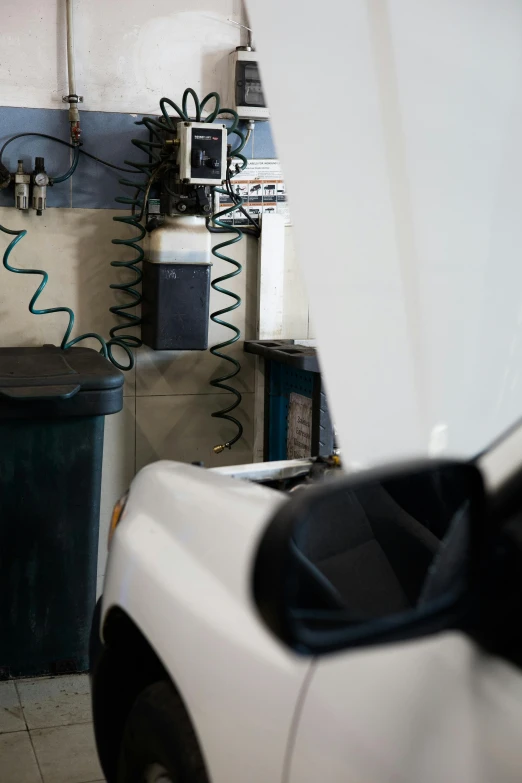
40,180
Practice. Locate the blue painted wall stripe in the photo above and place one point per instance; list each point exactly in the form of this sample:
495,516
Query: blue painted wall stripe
105,134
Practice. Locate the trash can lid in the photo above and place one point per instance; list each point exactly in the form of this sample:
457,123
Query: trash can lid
49,376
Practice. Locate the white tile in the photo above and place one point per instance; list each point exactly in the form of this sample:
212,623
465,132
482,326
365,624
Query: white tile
189,372
17,759
67,754
55,701
165,373
74,247
11,718
118,468
181,428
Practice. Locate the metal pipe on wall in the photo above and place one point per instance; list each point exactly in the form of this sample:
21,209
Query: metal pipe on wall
72,98
70,48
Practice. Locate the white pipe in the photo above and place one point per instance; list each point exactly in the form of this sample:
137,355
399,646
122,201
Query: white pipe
70,48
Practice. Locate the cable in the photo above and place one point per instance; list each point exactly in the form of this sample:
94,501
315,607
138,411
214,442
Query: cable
105,162
240,206
76,158
65,144
251,232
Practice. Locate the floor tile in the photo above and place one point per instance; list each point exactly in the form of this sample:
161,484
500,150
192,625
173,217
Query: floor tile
17,760
55,701
11,717
67,754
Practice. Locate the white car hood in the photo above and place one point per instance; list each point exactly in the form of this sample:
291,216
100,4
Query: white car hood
404,173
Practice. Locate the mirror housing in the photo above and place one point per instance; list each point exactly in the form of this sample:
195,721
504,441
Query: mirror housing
378,556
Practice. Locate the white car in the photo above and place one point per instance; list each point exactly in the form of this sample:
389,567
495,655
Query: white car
223,596
363,628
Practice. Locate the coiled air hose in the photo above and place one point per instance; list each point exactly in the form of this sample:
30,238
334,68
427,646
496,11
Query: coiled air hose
19,235
66,343
222,382
152,169
155,166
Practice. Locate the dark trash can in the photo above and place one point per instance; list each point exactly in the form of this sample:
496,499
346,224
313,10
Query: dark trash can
52,409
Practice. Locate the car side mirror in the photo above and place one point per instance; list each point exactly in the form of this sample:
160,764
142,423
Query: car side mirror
383,555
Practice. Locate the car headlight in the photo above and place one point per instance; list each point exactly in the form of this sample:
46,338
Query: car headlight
117,514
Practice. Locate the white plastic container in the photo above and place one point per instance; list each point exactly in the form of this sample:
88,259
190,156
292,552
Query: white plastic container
180,240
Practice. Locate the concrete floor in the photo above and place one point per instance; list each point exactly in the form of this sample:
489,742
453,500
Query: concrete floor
46,733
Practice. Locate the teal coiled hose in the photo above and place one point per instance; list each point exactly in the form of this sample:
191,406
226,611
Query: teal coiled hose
66,343
222,382
150,170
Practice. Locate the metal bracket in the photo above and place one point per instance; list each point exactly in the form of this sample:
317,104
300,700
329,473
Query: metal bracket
72,99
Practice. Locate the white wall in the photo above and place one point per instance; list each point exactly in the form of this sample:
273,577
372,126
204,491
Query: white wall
129,53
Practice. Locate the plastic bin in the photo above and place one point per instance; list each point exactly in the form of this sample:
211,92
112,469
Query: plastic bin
292,377
52,408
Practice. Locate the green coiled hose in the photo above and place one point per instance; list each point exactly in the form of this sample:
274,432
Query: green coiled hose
66,343
150,170
222,382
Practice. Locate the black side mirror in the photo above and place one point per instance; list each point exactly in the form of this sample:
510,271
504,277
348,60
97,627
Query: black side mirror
379,556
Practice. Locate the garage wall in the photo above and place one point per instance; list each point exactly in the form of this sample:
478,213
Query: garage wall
128,55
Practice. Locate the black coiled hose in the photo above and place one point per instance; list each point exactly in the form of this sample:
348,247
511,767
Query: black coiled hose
150,169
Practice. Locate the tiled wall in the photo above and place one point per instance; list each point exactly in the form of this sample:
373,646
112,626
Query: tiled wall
168,400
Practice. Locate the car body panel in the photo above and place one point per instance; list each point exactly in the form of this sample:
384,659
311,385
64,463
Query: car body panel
431,710
180,567
411,247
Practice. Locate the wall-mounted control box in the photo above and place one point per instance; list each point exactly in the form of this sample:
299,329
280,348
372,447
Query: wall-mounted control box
249,100
202,153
